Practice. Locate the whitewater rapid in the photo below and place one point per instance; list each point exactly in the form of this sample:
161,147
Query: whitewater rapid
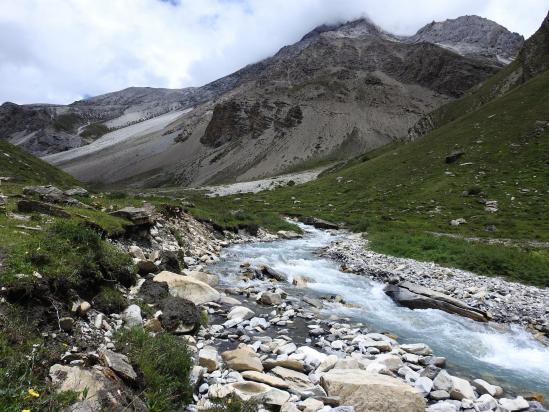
508,356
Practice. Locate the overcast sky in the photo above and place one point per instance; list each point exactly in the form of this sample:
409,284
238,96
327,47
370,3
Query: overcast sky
58,51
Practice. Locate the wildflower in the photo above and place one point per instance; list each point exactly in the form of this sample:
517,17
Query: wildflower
33,394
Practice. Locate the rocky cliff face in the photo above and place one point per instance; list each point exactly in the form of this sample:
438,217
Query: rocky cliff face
339,91
472,36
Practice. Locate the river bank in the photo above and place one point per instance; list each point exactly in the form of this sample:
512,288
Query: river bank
341,307
507,302
267,320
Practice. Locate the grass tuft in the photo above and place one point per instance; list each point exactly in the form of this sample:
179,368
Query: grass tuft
164,363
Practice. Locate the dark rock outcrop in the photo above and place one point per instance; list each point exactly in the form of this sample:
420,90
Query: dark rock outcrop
30,206
178,314
138,216
455,155
153,292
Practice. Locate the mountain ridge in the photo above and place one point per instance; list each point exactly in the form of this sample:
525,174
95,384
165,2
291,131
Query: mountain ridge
371,85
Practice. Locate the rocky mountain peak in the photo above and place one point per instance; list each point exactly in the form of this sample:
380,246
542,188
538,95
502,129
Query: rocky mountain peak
354,29
472,36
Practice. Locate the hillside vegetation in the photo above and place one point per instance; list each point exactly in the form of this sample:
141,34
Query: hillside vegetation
407,191
22,167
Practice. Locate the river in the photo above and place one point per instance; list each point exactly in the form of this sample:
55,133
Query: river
508,356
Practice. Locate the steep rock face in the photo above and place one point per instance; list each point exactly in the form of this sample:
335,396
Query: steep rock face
233,120
472,36
39,129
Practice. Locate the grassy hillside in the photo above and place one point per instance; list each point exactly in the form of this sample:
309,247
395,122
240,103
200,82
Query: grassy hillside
407,191
22,167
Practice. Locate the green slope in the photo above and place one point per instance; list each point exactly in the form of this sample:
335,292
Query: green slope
22,167
409,189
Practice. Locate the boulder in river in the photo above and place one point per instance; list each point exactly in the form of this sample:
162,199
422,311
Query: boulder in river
271,273
418,297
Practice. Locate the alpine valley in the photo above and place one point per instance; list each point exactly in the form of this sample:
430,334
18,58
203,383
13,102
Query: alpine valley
357,223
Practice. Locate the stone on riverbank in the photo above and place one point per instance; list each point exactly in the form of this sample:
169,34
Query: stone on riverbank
186,287
132,316
178,315
207,357
270,298
371,392
296,380
240,312
242,359
415,296
266,379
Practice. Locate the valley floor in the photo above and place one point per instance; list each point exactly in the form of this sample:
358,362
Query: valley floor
244,334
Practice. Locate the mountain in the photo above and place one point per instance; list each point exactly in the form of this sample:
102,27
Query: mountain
456,196
532,59
341,90
472,36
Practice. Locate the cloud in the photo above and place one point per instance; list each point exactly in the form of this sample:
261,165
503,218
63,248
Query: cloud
57,51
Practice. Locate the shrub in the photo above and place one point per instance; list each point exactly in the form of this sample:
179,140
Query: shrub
164,362
94,130
110,300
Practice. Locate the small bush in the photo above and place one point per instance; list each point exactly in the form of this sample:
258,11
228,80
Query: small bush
474,191
110,300
117,195
67,122
164,362
203,318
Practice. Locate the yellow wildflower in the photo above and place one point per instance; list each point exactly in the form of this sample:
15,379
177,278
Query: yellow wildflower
33,393
26,410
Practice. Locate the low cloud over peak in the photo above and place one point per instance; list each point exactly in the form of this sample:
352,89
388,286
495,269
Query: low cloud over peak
60,50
